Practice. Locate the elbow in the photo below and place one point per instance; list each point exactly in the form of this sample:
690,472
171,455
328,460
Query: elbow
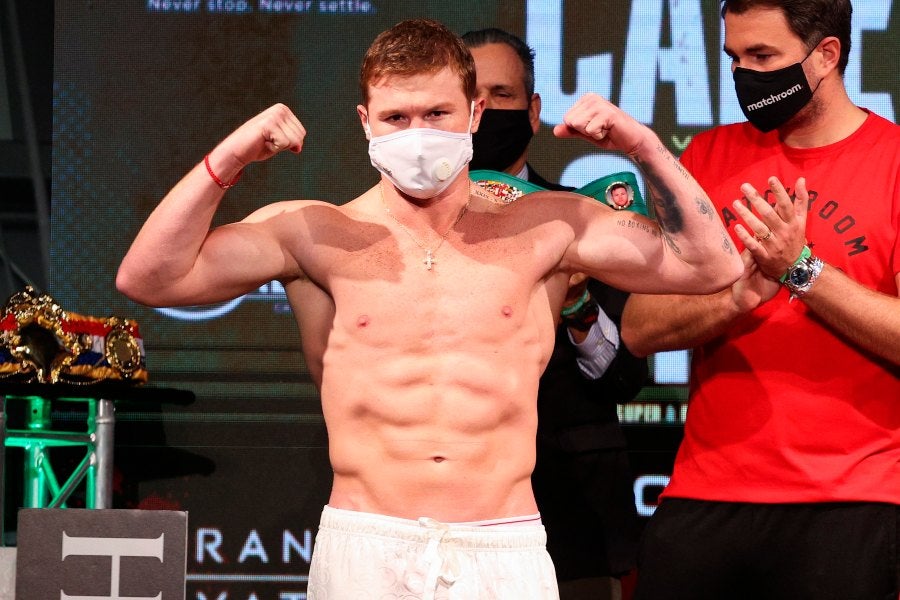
733,271
128,285
721,274
132,284
635,343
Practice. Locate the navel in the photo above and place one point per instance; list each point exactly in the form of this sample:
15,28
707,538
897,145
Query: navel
362,321
438,459
507,311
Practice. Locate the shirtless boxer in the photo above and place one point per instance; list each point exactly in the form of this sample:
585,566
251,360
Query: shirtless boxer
435,310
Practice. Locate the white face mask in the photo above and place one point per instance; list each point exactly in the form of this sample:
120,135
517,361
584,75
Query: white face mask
421,162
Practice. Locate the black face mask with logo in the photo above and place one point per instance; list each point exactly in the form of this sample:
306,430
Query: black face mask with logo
770,98
502,137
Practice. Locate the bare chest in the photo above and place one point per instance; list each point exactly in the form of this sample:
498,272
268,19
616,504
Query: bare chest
474,285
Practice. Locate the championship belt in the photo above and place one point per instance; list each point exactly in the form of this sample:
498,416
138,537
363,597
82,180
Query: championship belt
509,188
42,343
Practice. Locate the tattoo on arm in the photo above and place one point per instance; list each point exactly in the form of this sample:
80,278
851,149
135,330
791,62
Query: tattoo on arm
668,212
678,166
654,231
727,246
634,224
671,243
705,208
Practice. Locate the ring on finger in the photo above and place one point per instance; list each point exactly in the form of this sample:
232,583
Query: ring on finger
764,237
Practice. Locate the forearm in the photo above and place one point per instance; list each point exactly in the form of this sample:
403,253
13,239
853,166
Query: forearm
658,323
686,217
168,245
868,318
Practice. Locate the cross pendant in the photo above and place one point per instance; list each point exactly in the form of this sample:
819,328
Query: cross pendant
429,259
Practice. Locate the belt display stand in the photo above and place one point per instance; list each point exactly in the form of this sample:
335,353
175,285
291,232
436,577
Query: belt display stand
50,356
42,487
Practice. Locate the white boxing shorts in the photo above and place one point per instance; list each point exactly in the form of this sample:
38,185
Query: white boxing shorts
361,556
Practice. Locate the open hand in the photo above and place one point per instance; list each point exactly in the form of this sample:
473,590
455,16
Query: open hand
774,235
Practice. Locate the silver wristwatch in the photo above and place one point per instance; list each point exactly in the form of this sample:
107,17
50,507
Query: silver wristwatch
801,277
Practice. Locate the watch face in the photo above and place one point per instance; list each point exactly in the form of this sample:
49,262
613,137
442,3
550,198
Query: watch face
799,275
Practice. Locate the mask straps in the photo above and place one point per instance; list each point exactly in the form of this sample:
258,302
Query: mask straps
808,54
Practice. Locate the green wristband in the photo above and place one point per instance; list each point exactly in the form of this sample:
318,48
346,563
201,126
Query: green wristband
569,310
804,254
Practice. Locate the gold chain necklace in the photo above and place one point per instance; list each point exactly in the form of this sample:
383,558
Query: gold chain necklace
429,259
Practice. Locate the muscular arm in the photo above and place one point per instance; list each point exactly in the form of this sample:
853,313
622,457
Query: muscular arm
657,323
176,259
694,253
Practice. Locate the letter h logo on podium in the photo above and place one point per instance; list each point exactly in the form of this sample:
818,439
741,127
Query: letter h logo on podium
74,554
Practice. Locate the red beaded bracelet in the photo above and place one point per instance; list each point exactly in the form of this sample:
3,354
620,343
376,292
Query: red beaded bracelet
218,181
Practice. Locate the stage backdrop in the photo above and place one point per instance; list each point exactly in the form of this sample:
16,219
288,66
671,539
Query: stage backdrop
144,88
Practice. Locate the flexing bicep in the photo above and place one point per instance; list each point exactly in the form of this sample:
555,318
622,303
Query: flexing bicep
625,250
239,257
226,262
639,255
233,260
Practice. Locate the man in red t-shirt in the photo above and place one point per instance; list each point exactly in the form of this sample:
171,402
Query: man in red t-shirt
787,484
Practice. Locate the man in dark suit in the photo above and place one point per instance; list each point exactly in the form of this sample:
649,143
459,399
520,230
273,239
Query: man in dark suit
582,479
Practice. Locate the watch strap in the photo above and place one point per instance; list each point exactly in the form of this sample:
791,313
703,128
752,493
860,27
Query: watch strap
814,265
804,254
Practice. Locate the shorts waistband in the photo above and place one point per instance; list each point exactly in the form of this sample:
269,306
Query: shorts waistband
424,529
